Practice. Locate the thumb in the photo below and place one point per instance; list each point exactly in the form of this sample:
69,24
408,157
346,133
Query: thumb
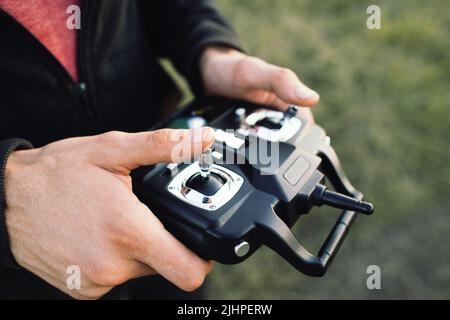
127,151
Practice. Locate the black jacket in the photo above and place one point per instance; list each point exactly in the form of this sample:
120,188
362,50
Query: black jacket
121,87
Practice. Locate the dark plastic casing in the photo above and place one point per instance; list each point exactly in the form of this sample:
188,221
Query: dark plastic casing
265,207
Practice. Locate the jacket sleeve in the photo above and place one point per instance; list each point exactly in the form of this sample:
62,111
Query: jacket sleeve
181,29
6,147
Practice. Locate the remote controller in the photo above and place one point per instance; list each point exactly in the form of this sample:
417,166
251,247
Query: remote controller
265,169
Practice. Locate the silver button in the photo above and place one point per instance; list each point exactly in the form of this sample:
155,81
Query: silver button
217,155
229,139
172,168
243,132
242,249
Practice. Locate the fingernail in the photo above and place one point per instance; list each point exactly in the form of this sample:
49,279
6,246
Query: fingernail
198,135
305,93
208,134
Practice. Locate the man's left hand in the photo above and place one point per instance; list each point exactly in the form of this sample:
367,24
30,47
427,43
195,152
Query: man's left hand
230,73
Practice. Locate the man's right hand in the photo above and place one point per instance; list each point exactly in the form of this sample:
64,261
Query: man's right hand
71,203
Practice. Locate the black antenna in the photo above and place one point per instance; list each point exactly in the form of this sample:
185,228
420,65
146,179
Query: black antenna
322,195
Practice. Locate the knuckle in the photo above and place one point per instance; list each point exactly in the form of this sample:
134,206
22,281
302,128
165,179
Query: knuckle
192,284
114,138
104,274
194,279
160,138
284,72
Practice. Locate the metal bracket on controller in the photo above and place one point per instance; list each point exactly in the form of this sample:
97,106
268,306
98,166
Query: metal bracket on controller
178,187
288,124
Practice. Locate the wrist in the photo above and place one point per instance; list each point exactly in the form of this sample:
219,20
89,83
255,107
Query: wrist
211,52
214,62
12,168
7,168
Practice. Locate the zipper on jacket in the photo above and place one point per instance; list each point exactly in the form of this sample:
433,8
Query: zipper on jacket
82,87
81,90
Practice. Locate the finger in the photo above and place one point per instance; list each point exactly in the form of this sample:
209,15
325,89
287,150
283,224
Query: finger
267,98
257,74
162,252
138,269
288,87
132,150
279,104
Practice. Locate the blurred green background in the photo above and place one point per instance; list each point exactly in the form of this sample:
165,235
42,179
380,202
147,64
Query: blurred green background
385,102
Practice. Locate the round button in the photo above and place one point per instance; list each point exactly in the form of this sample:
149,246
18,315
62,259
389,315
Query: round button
242,249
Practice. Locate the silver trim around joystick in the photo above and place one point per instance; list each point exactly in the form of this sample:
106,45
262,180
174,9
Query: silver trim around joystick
178,186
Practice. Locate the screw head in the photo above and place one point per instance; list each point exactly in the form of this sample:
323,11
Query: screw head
242,249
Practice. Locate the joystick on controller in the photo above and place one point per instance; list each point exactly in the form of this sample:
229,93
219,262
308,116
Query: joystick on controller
206,182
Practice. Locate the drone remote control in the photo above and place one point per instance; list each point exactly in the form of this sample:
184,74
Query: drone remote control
265,169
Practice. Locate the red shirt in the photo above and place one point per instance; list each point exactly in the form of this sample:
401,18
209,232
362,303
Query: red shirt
46,20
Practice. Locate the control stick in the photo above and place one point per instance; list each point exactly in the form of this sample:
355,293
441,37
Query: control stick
205,162
207,183
290,113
